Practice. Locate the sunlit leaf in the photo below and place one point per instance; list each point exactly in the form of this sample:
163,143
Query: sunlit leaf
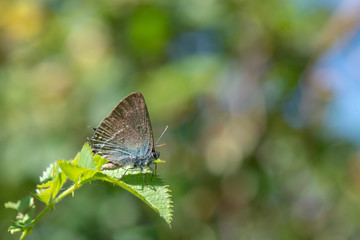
48,190
155,193
85,158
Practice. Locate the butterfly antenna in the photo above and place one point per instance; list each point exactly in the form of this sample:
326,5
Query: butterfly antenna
160,138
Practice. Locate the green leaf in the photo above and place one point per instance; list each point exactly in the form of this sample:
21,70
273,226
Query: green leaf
77,174
48,174
99,161
83,167
86,157
86,168
155,194
21,205
24,218
47,191
71,170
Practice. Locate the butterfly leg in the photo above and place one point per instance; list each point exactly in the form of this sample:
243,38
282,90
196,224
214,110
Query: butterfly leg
126,171
144,172
152,170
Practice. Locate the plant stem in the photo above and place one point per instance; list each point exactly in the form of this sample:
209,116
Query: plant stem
24,234
48,207
66,192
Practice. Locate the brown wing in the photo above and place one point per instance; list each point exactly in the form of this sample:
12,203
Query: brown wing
126,133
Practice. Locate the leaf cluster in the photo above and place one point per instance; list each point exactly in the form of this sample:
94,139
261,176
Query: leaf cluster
84,168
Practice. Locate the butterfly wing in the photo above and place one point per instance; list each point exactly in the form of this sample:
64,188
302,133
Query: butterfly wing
126,133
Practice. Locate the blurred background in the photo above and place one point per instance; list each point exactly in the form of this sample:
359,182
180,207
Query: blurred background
262,99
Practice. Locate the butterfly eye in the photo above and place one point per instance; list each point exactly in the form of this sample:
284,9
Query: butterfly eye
156,155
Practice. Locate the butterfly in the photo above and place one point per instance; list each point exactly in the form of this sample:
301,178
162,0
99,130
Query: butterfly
125,137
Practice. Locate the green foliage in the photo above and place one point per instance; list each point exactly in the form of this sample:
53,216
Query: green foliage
48,190
24,219
86,168
157,195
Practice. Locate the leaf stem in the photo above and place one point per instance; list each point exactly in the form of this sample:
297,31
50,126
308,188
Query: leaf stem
48,207
25,233
66,192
